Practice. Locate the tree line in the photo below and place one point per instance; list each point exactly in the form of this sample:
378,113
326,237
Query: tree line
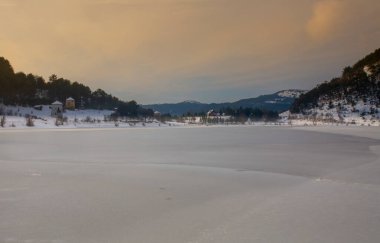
250,113
19,88
242,114
353,84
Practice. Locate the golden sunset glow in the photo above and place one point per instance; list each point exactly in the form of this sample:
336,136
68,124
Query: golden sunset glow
171,50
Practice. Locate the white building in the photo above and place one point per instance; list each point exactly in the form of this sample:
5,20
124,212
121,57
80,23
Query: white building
56,108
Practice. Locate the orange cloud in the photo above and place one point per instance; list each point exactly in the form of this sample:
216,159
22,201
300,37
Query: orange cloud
325,18
134,46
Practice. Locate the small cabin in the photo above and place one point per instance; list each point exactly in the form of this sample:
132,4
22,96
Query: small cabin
212,113
70,103
56,109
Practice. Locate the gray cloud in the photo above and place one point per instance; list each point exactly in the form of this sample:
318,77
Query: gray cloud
166,50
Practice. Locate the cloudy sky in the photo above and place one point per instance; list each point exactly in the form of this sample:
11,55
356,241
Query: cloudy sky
173,50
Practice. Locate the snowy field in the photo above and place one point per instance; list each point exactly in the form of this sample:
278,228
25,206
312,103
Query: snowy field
190,184
15,118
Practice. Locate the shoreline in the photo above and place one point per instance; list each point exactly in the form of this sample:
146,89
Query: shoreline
354,130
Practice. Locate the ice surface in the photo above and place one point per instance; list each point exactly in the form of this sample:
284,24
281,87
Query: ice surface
206,184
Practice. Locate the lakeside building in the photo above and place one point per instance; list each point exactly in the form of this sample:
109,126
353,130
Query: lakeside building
56,108
70,103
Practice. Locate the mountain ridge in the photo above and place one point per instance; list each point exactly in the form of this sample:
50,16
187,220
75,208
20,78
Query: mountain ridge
279,101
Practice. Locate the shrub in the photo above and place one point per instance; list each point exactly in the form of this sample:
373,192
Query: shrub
59,121
2,121
29,121
88,119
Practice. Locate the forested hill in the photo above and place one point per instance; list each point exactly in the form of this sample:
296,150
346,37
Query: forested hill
279,101
357,90
29,89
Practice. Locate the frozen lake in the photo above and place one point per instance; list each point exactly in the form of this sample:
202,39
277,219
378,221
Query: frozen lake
214,184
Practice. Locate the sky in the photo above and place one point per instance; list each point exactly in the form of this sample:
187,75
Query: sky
158,51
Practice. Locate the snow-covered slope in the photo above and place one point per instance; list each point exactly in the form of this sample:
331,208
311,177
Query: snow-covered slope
17,117
291,93
353,98
338,111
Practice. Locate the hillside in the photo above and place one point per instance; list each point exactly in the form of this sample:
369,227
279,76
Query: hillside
278,101
355,95
19,88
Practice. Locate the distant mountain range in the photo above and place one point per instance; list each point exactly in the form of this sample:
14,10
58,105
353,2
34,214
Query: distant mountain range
279,101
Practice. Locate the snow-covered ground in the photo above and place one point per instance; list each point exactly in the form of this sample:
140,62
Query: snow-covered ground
15,117
337,113
291,93
209,184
